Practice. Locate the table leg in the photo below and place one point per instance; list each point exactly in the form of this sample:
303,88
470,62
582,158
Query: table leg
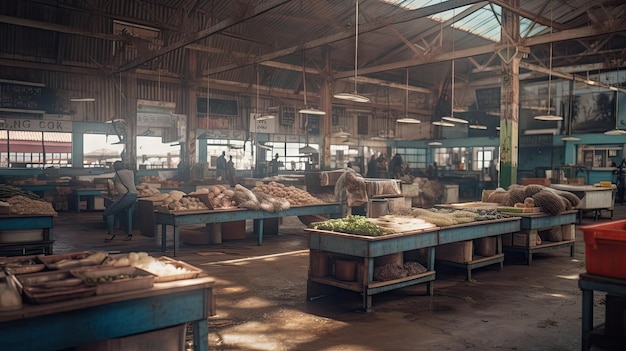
176,240
163,237
77,203
587,320
571,250
200,335
260,241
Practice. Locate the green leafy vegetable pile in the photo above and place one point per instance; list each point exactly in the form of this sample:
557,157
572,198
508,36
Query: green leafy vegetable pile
351,225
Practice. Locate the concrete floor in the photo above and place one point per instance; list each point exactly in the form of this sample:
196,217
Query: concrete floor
261,302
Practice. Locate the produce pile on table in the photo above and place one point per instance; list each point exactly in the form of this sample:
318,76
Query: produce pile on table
22,205
295,196
178,201
407,220
218,195
272,197
257,199
43,279
22,202
549,200
351,225
144,190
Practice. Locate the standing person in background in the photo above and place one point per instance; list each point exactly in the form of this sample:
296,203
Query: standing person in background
372,167
124,185
395,167
230,171
274,164
220,164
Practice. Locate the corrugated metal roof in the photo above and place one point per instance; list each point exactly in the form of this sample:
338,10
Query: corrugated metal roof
36,136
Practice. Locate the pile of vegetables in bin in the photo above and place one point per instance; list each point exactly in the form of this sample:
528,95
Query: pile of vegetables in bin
352,224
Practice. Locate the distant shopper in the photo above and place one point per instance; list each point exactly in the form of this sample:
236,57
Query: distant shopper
372,168
124,185
395,167
220,164
230,172
274,164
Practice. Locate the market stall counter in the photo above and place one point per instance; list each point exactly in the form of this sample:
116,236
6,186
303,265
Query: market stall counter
67,324
527,242
592,198
467,232
14,228
610,333
177,219
362,251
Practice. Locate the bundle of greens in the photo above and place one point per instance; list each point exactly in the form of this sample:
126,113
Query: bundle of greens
351,225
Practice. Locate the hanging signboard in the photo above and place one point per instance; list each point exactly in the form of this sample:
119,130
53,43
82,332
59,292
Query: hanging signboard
36,125
157,114
262,126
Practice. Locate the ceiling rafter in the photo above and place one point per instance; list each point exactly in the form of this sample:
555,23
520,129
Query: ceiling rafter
189,39
530,15
368,27
23,22
435,29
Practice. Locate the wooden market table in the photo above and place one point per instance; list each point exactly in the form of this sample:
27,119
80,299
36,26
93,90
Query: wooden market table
592,198
25,222
366,249
67,324
181,218
478,230
90,194
588,283
531,224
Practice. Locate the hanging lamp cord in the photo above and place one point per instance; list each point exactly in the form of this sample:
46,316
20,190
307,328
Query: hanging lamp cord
356,43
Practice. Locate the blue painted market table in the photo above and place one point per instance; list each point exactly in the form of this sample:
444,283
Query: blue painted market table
67,324
89,194
180,218
478,230
26,222
613,287
531,223
364,249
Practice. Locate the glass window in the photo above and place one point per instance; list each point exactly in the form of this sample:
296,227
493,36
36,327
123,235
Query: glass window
100,150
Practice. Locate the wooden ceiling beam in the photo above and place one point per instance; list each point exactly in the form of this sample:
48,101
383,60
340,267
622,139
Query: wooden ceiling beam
348,33
22,22
193,37
530,15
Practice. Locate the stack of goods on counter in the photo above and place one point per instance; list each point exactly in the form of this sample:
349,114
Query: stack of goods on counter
145,190
178,201
158,182
22,202
521,197
257,199
406,220
216,197
45,279
273,197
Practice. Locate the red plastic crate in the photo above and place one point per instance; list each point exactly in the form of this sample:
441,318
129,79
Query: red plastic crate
605,248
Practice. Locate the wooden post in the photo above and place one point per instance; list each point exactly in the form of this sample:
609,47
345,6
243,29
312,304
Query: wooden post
509,97
326,106
131,120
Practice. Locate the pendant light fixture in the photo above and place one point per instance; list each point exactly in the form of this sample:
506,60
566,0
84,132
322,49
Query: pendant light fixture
616,131
549,116
406,118
477,126
451,118
308,110
355,97
259,116
435,143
